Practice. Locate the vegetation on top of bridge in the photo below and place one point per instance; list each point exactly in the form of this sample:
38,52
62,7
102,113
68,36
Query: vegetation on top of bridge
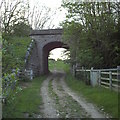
92,31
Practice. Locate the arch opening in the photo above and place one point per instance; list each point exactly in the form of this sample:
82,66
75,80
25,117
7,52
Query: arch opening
46,50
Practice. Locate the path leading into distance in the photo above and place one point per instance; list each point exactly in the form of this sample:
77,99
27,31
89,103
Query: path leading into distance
59,101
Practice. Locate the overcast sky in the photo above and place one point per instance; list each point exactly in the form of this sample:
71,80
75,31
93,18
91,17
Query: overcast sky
55,6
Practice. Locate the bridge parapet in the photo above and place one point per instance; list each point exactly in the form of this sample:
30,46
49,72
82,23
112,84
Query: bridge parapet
47,32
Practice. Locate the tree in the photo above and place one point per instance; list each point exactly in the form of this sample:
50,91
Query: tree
21,29
90,28
12,11
41,17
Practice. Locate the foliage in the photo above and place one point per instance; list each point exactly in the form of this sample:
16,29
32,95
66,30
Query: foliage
91,30
21,29
14,52
26,101
10,86
11,13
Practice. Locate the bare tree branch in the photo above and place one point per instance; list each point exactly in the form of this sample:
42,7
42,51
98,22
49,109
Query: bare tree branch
12,12
40,17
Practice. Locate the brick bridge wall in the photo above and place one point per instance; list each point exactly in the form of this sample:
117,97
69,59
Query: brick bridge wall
45,41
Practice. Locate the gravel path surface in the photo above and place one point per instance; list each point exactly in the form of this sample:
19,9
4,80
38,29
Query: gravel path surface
48,103
90,108
59,101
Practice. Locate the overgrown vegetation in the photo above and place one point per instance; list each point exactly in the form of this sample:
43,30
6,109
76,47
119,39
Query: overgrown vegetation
92,29
9,86
26,101
14,52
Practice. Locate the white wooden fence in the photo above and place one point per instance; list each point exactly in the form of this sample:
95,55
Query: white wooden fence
27,73
108,78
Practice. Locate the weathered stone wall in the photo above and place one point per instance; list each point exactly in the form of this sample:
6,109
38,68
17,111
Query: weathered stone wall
33,61
45,40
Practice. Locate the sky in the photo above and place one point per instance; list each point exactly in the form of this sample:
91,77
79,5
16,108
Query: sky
55,6
57,53
48,3
60,16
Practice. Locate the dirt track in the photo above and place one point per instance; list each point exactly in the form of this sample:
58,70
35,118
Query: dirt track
61,102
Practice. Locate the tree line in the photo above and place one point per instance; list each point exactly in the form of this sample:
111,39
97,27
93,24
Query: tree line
92,30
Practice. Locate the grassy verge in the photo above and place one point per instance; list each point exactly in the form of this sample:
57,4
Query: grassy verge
26,101
103,98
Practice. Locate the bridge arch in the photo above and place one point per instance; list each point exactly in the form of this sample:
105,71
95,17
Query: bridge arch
45,41
47,48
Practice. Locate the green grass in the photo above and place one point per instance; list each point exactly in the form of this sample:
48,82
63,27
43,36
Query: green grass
59,65
100,96
26,101
52,93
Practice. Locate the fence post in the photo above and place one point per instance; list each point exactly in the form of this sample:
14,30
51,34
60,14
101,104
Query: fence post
74,71
84,74
91,75
118,77
31,74
110,77
99,77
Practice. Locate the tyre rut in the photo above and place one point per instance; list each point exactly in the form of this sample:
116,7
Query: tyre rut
68,107
90,108
64,103
49,110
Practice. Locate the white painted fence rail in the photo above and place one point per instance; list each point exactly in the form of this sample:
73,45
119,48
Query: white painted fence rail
27,73
108,78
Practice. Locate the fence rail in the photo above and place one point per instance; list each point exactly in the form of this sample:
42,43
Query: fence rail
108,78
27,73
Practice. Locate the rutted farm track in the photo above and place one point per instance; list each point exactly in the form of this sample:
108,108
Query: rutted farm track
60,102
